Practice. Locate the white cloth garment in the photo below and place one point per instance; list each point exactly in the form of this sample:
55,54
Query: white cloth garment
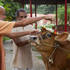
22,56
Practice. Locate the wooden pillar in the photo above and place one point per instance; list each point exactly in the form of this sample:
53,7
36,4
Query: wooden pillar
30,8
56,16
65,15
35,14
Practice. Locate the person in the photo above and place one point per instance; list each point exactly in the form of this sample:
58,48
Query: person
22,53
6,27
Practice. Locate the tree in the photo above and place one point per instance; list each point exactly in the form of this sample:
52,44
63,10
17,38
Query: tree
45,9
61,14
11,8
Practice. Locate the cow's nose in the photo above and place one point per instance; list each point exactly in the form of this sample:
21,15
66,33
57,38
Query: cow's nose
33,38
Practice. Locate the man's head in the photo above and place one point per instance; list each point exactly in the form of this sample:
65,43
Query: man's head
2,13
20,14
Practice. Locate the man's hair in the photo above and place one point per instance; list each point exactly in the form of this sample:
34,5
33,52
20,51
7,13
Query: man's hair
19,10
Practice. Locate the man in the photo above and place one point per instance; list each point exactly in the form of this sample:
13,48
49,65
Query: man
22,56
5,29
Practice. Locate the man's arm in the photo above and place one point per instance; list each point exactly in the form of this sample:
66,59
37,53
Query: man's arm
19,34
32,20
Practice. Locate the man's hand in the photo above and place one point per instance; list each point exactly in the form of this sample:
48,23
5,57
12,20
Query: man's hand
34,32
51,18
21,43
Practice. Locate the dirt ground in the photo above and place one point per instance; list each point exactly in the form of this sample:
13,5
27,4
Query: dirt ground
37,63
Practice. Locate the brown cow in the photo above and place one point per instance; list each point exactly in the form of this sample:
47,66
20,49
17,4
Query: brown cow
54,49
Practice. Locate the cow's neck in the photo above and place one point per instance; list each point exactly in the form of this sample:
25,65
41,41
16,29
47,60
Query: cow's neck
60,60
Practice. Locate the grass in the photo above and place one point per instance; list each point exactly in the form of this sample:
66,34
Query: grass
6,38
39,57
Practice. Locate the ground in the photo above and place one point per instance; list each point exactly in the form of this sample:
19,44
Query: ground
37,63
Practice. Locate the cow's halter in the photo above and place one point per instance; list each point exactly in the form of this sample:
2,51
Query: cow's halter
50,58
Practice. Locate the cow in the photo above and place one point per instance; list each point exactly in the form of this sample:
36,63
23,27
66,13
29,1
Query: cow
54,49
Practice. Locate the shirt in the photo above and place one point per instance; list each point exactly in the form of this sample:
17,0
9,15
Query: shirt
5,27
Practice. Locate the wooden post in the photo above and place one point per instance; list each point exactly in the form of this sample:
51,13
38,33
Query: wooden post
65,15
30,8
35,14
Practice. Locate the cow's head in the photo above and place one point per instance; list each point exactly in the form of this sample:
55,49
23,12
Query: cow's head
45,39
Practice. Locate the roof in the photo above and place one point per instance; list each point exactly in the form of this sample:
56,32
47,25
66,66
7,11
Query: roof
42,1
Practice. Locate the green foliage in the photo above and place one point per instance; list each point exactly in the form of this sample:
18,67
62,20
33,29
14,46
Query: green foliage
6,38
45,9
11,8
61,14
28,8
1,4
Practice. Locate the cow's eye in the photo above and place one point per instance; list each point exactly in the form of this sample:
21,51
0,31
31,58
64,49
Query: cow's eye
43,36
48,34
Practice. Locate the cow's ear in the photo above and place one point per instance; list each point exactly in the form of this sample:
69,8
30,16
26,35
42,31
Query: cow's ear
43,29
61,37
